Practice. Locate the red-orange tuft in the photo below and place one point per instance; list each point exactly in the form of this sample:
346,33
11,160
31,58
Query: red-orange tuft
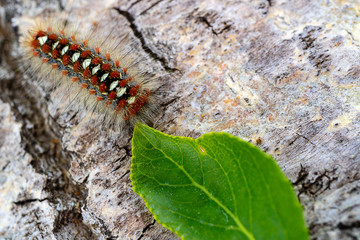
103,87
54,65
112,95
96,61
121,104
123,83
77,66
66,59
53,36
75,79
106,67
124,70
133,91
35,43
74,47
142,100
117,63
40,34
45,60
35,53
84,85
99,98
107,55
64,41
46,48
85,54
64,72
94,80
55,53
115,74
132,110
87,73
92,91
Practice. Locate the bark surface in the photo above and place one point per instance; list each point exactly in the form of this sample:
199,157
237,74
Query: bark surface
283,75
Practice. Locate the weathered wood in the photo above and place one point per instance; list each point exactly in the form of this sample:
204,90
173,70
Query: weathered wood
281,74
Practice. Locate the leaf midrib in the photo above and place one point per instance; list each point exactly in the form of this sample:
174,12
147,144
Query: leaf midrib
245,181
237,221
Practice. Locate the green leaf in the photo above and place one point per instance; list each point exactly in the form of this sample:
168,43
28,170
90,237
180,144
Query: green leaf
214,187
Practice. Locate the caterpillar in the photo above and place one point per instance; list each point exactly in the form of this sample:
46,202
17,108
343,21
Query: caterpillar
100,73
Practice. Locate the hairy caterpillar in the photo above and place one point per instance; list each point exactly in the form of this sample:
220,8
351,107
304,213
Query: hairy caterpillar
101,73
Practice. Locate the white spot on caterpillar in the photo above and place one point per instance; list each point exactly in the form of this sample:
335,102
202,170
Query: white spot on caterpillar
55,45
75,57
80,47
120,91
42,40
95,69
113,85
86,63
64,50
131,100
103,77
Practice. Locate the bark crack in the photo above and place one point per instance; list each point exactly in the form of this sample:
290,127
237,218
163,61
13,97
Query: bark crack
153,5
134,3
299,135
355,224
146,228
105,229
314,187
209,25
26,201
137,33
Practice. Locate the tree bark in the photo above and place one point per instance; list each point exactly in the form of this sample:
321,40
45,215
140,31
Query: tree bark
280,74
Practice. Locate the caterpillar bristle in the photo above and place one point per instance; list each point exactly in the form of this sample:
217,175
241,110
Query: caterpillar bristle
91,69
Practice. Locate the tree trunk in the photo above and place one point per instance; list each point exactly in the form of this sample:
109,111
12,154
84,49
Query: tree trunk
280,74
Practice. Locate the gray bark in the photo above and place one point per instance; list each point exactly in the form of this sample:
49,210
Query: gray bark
280,74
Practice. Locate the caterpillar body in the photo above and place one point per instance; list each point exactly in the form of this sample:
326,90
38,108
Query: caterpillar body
99,72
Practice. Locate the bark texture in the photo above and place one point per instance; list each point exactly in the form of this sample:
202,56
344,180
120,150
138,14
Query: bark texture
281,74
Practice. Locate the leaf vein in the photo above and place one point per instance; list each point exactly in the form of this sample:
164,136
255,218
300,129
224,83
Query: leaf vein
237,221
